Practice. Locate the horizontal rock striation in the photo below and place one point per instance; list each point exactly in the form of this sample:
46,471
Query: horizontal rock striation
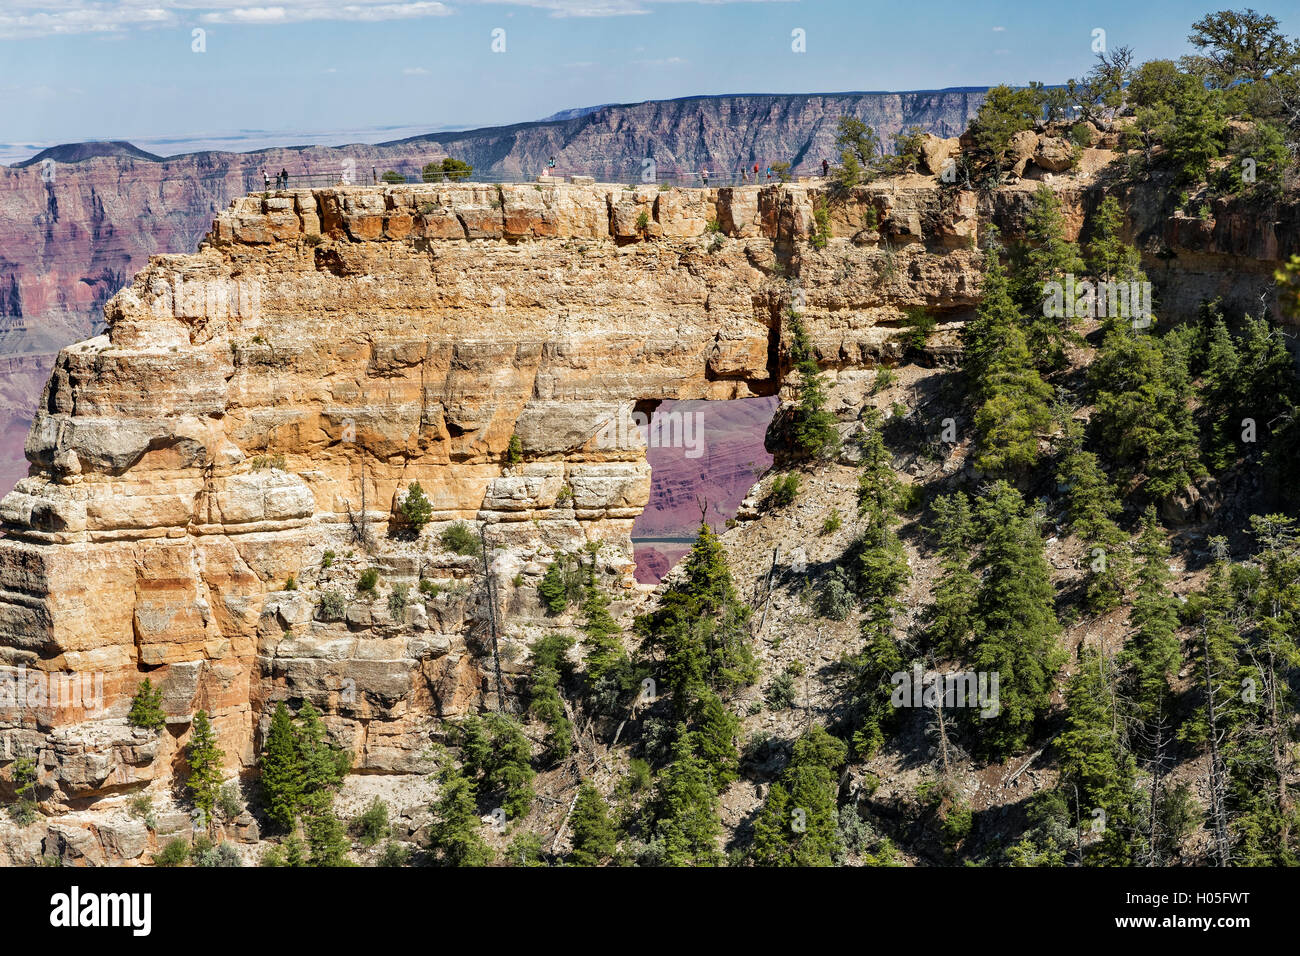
211,476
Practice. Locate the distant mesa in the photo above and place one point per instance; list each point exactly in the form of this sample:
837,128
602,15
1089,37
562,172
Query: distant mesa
78,152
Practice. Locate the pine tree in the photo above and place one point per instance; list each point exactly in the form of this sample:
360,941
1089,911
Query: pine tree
454,836
882,563
146,707
205,759
815,435
1215,656
1151,654
772,832
715,729
950,619
510,770
686,808
1091,508
1046,257
702,626
322,765
495,750
559,584
417,509
281,770
1267,826
1109,257
799,822
594,836
550,665
1013,401
1097,770
605,652
1016,628
1143,417
327,839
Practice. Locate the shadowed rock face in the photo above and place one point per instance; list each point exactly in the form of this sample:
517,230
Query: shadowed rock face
253,403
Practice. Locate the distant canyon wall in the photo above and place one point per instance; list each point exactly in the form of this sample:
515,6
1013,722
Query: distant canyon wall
73,233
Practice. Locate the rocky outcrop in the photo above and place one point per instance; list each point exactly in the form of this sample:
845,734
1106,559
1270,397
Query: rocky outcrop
77,221
212,476
236,446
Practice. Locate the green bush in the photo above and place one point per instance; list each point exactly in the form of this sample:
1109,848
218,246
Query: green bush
515,450
23,809
146,707
780,694
785,490
332,605
175,853
372,825
832,522
394,854
369,578
459,538
392,176
326,559
397,601
290,584
223,854
228,801
1081,135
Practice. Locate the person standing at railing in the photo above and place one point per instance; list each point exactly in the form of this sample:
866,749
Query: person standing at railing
826,169
284,175
704,174
266,179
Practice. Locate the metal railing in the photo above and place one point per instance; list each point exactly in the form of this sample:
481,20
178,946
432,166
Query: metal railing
628,174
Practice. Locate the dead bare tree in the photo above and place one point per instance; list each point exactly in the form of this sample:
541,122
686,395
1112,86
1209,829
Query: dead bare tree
360,522
491,595
1218,772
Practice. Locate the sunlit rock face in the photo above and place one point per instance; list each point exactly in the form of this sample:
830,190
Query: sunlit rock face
229,457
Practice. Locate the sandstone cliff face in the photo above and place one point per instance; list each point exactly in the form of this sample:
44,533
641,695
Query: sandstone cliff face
72,233
253,405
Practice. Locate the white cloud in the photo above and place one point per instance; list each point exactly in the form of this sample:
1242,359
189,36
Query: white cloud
414,71
36,18
363,11
999,29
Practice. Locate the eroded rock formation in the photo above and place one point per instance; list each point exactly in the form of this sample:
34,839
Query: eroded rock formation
271,397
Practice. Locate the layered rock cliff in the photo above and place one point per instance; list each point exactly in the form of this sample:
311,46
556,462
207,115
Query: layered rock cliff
271,397
212,476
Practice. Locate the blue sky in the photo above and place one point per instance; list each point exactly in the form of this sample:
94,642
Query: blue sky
125,69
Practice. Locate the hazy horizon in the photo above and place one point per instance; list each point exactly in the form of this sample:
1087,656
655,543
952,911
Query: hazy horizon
187,72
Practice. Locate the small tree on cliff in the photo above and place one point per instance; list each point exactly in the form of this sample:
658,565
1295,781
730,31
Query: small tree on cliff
205,759
859,151
281,770
594,835
416,507
454,169
146,707
815,435
454,835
